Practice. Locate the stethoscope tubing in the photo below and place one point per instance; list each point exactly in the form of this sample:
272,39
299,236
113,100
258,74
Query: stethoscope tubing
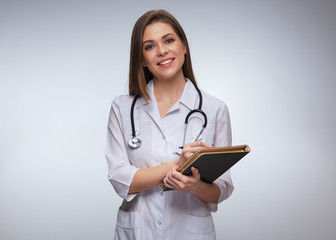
132,116
136,143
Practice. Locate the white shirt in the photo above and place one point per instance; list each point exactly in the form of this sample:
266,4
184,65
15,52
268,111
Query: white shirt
153,214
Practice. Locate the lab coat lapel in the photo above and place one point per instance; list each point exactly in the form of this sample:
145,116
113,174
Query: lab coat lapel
153,111
190,96
152,108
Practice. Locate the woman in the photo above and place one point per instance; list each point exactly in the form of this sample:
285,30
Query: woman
161,77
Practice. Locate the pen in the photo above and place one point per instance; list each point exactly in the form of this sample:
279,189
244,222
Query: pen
181,147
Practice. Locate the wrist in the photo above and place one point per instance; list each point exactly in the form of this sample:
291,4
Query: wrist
199,187
176,163
208,192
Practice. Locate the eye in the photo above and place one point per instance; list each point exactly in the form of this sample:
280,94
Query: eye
149,47
170,40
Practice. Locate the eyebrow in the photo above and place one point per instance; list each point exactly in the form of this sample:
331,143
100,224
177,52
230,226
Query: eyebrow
163,37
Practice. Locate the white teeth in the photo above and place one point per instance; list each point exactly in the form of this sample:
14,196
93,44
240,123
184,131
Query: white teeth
167,61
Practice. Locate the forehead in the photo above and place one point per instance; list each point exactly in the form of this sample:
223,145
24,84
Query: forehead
157,30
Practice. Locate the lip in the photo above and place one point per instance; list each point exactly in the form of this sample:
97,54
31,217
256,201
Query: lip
168,60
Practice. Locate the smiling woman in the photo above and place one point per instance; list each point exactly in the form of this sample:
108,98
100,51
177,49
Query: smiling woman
162,92
139,74
163,52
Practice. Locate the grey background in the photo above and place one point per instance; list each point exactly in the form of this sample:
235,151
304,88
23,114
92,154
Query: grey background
63,62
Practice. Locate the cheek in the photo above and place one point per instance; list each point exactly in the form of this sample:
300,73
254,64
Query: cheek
147,59
181,50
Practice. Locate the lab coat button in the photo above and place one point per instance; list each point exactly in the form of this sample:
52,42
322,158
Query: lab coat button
159,222
161,193
163,137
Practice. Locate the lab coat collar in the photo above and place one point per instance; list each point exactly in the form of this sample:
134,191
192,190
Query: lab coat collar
188,98
189,95
140,102
151,108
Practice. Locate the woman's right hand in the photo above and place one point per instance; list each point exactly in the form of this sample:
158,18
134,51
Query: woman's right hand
189,149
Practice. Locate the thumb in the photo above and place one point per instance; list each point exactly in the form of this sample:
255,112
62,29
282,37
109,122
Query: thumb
195,172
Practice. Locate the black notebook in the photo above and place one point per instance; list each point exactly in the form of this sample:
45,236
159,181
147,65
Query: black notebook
212,162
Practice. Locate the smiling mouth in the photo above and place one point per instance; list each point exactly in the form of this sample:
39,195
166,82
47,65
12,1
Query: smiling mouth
166,62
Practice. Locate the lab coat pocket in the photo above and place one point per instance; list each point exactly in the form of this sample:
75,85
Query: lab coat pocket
128,225
200,228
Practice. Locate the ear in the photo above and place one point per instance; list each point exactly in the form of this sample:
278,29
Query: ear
184,49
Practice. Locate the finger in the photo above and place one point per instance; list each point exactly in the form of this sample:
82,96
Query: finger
197,148
197,143
194,148
185,181
190,151
168,174
178,179
195,172
191,144
177,176
171,183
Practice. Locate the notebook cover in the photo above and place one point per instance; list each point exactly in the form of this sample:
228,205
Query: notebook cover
213,162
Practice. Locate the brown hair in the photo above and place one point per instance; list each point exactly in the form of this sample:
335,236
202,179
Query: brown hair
139,75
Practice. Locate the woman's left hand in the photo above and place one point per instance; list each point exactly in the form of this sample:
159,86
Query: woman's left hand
178,181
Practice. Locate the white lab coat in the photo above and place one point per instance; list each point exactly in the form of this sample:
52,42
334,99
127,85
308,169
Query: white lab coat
153,214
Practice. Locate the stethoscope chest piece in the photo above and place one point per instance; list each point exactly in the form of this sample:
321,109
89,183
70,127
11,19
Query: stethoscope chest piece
134,143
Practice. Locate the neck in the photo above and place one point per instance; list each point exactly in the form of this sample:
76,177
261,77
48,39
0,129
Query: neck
169,90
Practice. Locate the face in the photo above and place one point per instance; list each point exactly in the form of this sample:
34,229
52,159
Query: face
163,51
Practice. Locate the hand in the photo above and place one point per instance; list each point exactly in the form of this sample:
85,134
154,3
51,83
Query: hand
189,149
178,181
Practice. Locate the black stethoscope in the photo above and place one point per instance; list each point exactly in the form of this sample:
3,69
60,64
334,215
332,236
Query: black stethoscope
135,142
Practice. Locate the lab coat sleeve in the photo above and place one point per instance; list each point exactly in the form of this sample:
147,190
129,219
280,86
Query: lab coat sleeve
120,170
223,137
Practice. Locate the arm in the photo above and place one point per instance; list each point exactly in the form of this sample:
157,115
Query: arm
146,178
219,190
120,171
193,185
223,137
126,179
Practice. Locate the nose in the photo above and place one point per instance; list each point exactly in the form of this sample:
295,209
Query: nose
162,49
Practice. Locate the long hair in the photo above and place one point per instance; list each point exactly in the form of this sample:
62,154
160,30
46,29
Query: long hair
139,75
